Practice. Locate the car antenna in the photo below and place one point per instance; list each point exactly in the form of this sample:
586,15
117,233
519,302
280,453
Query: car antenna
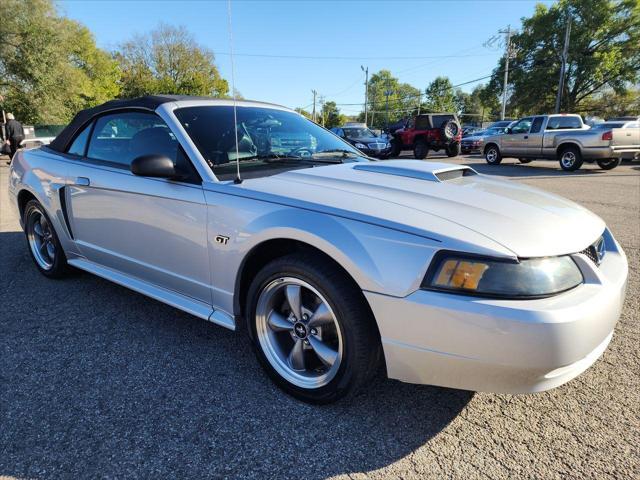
238,179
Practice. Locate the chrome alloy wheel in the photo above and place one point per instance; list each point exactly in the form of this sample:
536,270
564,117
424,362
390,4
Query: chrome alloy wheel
568,159
40,236
298,332
492,155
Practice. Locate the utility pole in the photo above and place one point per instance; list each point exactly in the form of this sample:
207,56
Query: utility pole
507,55
322,112
366,92
313,115
387,92
563,68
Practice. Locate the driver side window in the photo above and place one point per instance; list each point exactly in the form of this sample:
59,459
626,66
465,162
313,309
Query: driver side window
522,126
119,138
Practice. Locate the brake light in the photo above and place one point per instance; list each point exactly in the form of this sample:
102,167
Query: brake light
607,135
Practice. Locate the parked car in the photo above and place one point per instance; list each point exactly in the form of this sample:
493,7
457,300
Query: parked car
611,124
564,138
630,118
364,140
474,143
468,131
335,265
430,131
502,123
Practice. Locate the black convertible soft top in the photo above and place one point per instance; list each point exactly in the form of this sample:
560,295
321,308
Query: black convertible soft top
148,102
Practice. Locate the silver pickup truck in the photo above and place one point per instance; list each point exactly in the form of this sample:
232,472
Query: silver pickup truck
564,138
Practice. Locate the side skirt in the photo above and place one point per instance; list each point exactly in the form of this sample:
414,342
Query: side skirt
176,300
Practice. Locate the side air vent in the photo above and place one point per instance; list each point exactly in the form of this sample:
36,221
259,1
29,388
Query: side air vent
63,206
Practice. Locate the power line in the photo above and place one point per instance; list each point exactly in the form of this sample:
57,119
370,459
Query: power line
312,57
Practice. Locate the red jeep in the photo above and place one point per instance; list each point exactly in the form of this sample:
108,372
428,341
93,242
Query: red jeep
430,131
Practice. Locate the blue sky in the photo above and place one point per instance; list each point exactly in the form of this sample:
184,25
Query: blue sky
370,33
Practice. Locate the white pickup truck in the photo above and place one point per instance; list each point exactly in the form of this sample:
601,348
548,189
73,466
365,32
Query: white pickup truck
564,138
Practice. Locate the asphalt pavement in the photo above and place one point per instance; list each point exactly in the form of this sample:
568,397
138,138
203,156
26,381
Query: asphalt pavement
97,381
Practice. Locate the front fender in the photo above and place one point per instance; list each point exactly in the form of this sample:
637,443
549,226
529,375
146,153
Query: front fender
379,259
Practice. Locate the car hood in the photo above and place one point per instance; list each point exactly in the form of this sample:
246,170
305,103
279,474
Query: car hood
445,202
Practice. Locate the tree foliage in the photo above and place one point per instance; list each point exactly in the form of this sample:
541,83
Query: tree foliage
604,53
169,60
50,66
403,100
330,115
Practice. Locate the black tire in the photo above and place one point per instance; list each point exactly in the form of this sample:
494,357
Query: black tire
361,346
59,267
525,160
609,164
492,154
570,158
453,149
420,150
449,129
396,148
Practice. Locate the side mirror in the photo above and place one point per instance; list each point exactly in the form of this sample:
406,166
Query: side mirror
508,130
154,166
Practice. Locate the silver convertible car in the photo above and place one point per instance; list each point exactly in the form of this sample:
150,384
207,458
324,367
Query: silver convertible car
253,217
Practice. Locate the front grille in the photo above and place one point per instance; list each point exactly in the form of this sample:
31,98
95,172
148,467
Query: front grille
377,146
595,251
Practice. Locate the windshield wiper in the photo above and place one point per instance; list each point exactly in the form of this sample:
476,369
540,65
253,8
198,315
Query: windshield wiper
344,153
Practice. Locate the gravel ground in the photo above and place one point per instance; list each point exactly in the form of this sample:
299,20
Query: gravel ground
99,382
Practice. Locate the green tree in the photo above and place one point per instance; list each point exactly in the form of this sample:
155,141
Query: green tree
477,106
330,115
441,96
50,66
303,112
604,53
169,60
403,99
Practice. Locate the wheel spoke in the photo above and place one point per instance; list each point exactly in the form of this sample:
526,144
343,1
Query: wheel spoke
51,250
296,356
37,229
325,353
43,224
321,316
43,248
278,322
294,299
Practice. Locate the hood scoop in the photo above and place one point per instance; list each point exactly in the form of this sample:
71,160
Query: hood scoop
421,171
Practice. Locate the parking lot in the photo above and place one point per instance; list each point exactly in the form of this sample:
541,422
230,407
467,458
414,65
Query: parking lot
98,381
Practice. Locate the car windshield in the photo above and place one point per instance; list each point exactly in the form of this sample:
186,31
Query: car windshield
358,132
270,140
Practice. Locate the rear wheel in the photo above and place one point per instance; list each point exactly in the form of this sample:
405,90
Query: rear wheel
570,159
453,149
420,150
396,148
44,245
492,155
311,329
609,164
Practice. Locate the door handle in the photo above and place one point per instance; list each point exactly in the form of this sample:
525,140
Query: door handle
526,136
83,181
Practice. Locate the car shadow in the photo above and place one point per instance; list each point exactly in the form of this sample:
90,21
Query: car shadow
98,381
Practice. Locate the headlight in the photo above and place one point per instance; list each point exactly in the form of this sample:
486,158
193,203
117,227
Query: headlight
537,277
360,145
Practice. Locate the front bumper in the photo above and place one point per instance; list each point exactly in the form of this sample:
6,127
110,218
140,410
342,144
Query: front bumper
375,152
503,346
